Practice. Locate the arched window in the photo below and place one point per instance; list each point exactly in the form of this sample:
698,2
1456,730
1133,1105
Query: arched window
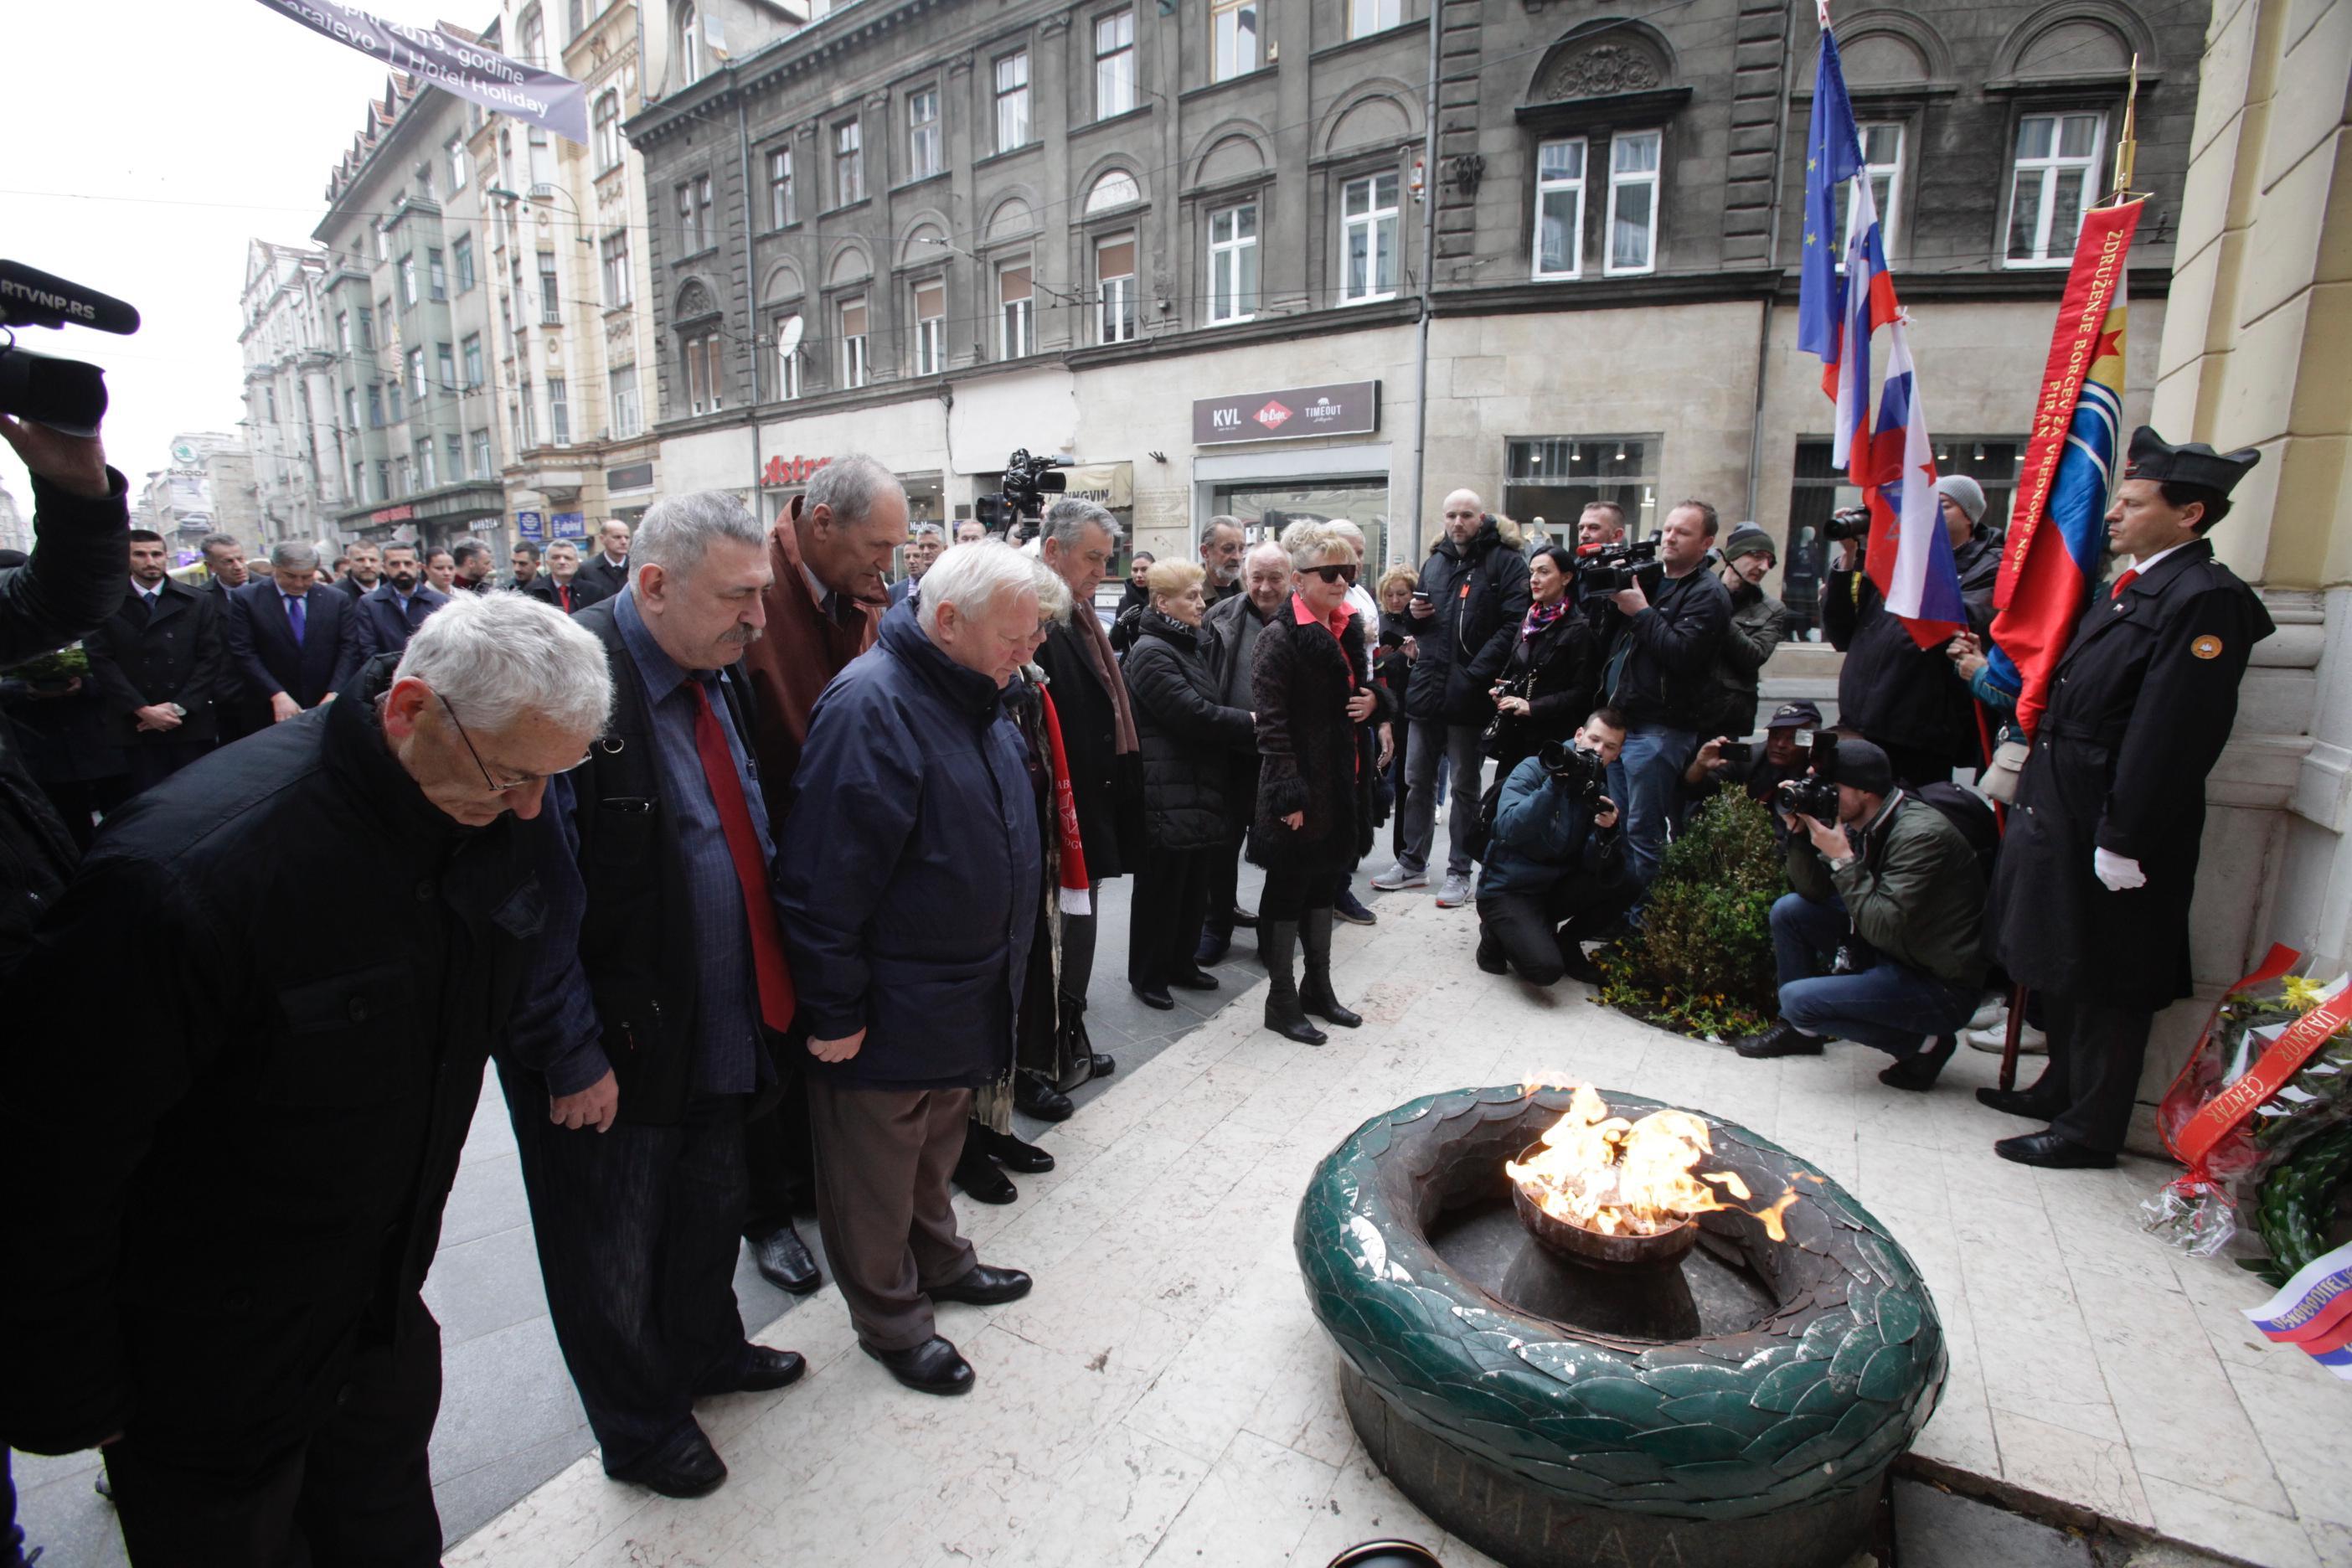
531,33
608,130
1115,189
689,46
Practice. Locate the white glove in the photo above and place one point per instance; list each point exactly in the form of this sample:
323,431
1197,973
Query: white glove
2120,875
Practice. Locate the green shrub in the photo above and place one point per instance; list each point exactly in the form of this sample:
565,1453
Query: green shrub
1702,960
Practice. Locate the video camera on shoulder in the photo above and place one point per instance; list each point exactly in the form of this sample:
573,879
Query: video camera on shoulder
1581,772
1815,794
1609,567
63,394
1028,482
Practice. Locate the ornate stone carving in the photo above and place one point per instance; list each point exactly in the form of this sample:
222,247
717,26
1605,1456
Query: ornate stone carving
1601,69
1055,26
1466,169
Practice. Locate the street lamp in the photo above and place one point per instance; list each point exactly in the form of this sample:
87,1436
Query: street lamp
540,193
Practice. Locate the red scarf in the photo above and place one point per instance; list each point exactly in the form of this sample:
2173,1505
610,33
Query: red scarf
1073,896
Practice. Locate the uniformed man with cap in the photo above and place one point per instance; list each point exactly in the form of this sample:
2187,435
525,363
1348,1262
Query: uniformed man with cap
2090,897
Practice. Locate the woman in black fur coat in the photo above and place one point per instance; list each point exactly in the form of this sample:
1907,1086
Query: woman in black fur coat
1316,720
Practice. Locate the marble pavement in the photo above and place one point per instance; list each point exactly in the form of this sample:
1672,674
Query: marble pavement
1164,1396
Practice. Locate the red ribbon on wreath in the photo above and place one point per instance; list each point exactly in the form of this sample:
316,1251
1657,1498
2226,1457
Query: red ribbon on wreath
2201,1122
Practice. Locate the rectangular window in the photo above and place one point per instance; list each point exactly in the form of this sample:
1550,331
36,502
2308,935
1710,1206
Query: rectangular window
694,216
456,151
461,250
1114,64
1368,16
549,312
456,458
358,482
429,468
437,275
1560,209
923,134
788,358
1115,286
1633,203
408,278
559,411
343,330
399,476
854,363
614,251
391,391
607,131
270,402
1233,23
628,420
383,247
848,162
1013,101
1233,263
1559,475
470,350
1014,295
448,359
367,328
1882,157
383,480
542,158
2055,180
1367,216
530,417
376,406
782,208
514,423
931,327
351,409
481,454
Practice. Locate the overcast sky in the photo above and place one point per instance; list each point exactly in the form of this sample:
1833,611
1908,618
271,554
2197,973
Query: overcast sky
147,142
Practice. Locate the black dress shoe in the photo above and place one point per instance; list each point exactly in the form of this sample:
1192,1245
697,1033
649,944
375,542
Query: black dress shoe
934,1366
1213,949
1577,966
1782,1040
1010,1152
2030,1103
1039,1099
684,1467
1490,955
764,1369
977,1174
983,1287
1154,996
2053,1152
1198,980
784,1262
1244,920
1100,1066
1919,1069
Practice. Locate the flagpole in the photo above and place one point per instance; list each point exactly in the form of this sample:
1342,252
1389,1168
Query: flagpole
2127,145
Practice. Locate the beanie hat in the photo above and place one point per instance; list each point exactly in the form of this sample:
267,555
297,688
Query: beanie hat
1747,539
1965,490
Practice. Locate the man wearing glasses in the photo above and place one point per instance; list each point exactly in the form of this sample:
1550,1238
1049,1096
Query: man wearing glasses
258,1139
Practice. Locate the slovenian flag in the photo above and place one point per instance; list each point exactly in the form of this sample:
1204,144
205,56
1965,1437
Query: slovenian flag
1910,555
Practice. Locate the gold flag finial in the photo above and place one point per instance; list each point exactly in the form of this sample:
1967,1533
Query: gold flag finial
2127,144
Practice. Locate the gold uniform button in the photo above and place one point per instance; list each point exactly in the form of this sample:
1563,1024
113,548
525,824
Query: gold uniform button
2206,647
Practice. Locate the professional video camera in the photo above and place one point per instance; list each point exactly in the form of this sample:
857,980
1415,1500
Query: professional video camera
1027,481
64,395
1608,566
1582,773
1815,794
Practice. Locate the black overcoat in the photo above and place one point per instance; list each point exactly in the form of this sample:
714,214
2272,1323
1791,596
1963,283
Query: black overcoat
1312,756
2140,707
1108,787
178,654
1187,733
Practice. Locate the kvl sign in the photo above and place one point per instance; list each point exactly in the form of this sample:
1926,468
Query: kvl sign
1350,408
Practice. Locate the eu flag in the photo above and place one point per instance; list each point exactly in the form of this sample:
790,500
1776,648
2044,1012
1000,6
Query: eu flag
1832,156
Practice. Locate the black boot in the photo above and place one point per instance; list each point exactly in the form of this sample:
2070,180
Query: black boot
1278,940
1315,993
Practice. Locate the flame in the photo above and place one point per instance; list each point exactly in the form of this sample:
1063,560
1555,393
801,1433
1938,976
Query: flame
1604,1173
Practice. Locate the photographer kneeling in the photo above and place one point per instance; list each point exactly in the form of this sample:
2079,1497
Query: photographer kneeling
1885,882
1554,872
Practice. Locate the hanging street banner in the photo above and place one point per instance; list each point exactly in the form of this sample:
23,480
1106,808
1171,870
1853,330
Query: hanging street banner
536,97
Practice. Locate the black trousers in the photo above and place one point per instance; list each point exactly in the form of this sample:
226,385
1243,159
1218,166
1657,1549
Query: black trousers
778,1156
2097,1052
358,1492
637,1230
1164,917
1078,936
1535,930
1288,895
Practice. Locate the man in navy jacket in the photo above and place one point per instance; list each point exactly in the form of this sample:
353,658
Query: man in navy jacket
912,871
295,645
389,613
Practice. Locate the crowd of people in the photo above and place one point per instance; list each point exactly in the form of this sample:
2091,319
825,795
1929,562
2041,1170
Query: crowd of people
771,888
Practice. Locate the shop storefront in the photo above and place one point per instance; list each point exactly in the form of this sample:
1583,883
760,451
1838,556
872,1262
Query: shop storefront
1248,469
439,517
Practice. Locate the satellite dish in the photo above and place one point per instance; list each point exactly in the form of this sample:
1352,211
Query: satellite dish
789,335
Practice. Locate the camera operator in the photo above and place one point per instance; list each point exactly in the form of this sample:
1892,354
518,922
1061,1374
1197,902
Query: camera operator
1666,628
1757,623
1555,869
1726,763
1885,882
1899,694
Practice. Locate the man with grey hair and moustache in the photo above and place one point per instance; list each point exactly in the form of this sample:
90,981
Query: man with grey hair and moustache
1222,545
629,1109
269,1131
913,867
829,564
1230,636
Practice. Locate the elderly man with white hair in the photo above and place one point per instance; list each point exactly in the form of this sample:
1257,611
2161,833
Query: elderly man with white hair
913,867
266,1128
629,1107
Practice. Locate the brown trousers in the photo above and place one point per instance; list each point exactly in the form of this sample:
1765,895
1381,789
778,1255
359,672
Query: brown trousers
883,1159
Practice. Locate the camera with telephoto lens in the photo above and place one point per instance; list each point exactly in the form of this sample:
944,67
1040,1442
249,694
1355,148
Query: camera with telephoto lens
1022,493
1847,523
63,394
1815,794
1581,771
1609,567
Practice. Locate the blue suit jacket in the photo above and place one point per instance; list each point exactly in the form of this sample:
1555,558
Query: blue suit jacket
382,627
261,643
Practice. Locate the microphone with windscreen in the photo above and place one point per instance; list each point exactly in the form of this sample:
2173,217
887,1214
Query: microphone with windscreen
62,393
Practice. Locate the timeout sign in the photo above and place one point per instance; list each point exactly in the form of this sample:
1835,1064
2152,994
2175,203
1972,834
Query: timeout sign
1348,408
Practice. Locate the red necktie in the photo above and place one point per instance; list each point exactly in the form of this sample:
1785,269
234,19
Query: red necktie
768,962
2124,582
565,589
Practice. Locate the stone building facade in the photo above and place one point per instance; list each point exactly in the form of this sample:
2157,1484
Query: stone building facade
290,433
939,231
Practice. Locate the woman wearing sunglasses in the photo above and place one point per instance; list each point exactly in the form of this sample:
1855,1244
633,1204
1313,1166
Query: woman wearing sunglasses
1317,716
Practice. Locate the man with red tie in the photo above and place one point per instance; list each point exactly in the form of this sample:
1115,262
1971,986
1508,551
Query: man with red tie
561,584
629,1107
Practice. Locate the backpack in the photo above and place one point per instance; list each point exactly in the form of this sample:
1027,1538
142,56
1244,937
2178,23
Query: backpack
1968,812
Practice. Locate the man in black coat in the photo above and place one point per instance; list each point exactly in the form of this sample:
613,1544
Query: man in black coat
1230,634
1467,613
391,613
262,1138
227,574
1891,689
366,571
608,569
160,663
564,584
2092,893
296,644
